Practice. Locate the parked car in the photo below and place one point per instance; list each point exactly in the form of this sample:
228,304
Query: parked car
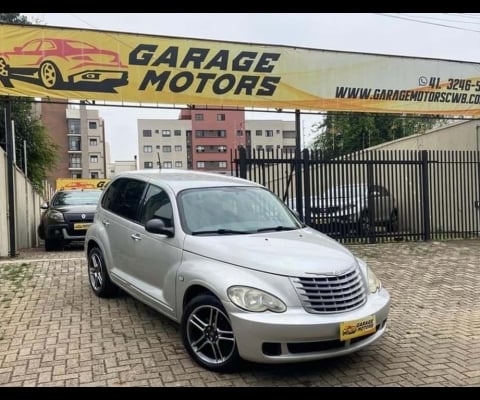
356,207
228,260
67,216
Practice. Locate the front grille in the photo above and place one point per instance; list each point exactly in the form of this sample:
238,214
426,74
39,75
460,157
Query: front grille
330,294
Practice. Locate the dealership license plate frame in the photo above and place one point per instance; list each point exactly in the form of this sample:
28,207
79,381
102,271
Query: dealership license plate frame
358,327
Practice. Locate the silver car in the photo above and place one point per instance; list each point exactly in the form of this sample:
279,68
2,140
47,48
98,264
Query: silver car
229,261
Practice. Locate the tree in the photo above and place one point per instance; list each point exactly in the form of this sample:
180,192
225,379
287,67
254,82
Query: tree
41,152
345,132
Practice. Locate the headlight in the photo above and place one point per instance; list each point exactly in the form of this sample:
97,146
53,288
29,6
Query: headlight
374,283
56,216
255,300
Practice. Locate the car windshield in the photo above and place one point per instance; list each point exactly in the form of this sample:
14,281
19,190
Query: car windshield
76,198
233,211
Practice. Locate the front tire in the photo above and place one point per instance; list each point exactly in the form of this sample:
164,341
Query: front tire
52,244
208,336
98,277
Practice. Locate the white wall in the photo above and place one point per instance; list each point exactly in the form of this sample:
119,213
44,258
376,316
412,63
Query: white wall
27,210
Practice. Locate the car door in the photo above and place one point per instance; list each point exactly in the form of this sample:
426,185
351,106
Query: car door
121,219
157,257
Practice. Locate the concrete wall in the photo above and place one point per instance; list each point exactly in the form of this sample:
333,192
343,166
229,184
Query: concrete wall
27,210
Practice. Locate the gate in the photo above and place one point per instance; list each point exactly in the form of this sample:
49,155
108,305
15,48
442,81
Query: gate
372,196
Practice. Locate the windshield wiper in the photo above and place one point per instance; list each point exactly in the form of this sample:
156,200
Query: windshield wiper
277,228
221,232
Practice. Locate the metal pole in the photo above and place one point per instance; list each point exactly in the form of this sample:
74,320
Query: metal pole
25,157
298,168
10,174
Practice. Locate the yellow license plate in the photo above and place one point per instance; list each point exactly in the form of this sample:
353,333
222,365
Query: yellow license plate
359,327
81,226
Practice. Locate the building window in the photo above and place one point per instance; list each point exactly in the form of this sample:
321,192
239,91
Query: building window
94,175
148,164
157,146
222,149
239,133
76,175
147,149
268,133
74,144
157,131
166,132
75,161
211,133
200,149
177,132
178,164
178,147
94,159
92,125
220,117
258,132
167,149
222,164
74,126
259,147
200,164
147,133
248,133
269,147
198,117
93,141
167,164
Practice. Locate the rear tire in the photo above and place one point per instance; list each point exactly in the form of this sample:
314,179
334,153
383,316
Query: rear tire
392,225
98,276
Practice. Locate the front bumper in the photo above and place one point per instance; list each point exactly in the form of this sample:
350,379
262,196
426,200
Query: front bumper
300,336
64,232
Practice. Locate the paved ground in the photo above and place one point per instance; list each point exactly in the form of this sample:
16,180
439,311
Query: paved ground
55,332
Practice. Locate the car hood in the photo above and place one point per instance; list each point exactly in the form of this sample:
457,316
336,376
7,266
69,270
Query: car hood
300,252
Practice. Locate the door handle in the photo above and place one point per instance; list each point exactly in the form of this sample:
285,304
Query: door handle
135,236
105,222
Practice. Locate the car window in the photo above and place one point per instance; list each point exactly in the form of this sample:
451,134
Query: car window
157,205
123,197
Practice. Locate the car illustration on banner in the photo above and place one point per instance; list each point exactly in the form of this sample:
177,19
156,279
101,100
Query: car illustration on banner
63,64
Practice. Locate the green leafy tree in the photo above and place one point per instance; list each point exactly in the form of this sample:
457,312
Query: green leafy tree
42,153
345,132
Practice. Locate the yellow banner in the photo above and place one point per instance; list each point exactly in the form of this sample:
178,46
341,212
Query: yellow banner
39,61
80,183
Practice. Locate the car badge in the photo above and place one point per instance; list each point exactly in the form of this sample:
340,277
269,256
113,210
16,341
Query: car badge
83,216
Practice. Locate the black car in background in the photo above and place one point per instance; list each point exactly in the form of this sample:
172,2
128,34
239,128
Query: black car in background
67,216
357,208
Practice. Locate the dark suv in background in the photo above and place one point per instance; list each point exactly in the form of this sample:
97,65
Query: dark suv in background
67,216
356,207
353,208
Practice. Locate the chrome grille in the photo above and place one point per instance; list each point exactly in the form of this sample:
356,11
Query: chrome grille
329,294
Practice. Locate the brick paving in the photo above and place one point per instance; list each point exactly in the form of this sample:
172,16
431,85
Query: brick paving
55,332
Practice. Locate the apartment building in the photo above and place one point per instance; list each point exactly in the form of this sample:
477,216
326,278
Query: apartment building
80,136
202,139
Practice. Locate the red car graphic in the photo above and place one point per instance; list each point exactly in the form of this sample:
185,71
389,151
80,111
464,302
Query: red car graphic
63,64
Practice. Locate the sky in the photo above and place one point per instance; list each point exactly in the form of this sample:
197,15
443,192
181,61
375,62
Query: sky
448,36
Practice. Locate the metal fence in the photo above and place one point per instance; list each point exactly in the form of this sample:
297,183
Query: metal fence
373,196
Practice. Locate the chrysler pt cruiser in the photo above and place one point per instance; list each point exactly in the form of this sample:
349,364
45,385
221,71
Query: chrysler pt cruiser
234,266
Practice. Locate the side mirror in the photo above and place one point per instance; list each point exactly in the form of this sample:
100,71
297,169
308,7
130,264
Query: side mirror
44,206
156,225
